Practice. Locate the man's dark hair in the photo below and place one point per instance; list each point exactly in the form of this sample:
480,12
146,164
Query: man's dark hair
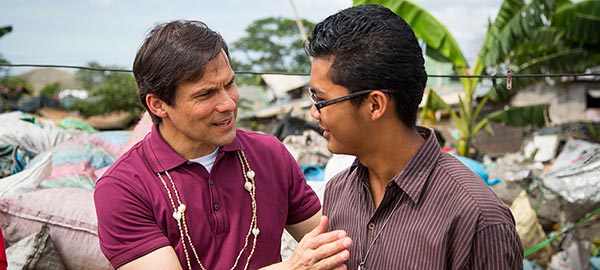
373,48
174,53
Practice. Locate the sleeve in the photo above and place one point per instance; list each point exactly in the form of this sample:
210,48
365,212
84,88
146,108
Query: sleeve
303,201
127,228
497,247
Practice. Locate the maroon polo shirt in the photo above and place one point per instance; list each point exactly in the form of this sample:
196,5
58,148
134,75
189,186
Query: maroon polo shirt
445,217
135,213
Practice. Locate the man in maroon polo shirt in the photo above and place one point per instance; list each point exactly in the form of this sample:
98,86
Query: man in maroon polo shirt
197,193
404,203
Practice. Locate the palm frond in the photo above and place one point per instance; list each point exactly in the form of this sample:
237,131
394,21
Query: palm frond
516,21
533,115
433,103
581,21
566,61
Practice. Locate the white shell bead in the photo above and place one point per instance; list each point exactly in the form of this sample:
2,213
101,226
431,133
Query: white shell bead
248,186
177,215
181,208
250,174
255,231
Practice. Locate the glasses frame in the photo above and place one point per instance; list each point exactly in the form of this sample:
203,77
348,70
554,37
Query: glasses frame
322,104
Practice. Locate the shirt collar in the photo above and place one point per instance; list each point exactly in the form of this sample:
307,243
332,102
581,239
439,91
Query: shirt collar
413,177
163,158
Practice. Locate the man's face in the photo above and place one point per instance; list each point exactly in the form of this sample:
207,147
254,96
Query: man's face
341,122
204,112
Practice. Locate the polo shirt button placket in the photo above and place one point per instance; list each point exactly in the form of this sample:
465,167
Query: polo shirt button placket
211,182
216,206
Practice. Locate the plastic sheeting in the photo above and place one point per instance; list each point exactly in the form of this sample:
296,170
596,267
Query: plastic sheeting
310,148
35,138
28,179
575,175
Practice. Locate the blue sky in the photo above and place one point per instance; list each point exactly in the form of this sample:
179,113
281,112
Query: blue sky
75,32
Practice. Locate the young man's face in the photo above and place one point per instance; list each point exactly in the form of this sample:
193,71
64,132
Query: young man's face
204,112
341,122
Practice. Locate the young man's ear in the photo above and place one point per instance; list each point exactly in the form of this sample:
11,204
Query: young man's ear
156,105
379,102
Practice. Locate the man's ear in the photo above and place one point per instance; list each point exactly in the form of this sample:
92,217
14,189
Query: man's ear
379,103
156,106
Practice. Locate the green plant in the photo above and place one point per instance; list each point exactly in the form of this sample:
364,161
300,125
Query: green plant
270,45
50,90
3,31
14,87
108,92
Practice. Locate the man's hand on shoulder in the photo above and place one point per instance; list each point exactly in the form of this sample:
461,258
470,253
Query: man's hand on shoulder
318,249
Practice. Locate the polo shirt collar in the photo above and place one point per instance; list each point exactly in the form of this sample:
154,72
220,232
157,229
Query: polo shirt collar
162,157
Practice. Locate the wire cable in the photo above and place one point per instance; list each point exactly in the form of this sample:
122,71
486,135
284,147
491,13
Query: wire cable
306,74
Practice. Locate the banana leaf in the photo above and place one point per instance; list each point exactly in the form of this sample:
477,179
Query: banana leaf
532,115
565,61
433,103
515,21
581,21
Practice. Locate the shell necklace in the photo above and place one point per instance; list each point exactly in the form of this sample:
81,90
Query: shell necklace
179,215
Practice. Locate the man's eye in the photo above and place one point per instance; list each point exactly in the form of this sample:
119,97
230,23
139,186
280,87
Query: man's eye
203,94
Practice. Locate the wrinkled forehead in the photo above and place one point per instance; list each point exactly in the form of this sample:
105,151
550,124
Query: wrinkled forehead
217,67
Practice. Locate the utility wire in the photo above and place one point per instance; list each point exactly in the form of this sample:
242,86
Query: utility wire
306,74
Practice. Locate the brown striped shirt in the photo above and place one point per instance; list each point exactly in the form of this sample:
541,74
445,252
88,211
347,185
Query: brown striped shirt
446,218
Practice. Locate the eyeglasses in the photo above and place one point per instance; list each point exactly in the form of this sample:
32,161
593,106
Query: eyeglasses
322,104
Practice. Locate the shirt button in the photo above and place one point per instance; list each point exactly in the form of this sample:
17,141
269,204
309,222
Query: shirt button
211,182
371,226
216,206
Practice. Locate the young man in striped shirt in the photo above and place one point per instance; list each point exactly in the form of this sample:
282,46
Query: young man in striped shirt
404,203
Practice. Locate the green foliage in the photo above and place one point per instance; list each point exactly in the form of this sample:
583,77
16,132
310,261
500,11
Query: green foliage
270,45
12,89
109,92
565,40
433,103
514,21
580,21
3,31
93,79
51,90
15,87
533,115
